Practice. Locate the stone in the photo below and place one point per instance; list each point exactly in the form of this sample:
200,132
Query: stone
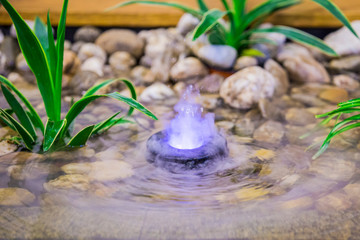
7,147
336,201
89,50
187,23
244,62
157,92
299,116
308,100
306,69
263,154
269,110
121,61
226,126
82,81
352,190
251,193
21,64
76,46
188,68
196,45
270,132
87,34
349,63
16,197
244,127
77,182
141,74
346,82
67,45
10,50
333,168
334,95
114,40
280,75
1,36
3,64
163,49
16,78
246,87
6,132
71,63
94,65
218,56
209,101
31,171
210,83
291,50
180,88
110,170
336,40
109,154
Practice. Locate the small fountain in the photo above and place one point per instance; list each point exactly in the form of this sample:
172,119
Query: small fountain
191,140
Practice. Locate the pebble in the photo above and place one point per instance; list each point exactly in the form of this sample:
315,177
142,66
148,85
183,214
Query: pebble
349,63
210,83
336,201
280,75
188,68
71,63
334,95
94,65
82,81
299,116
186,23
218,56
270,132
114,40
246,87
141,74
298,203
90,50
6,147
346,82
121,61
244,127
157,92
87,34
244,62
16,197
269,110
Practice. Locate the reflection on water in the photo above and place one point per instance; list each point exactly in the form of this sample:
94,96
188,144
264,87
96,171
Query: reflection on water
108,190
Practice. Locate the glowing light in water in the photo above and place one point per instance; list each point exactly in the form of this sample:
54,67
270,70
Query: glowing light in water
190,129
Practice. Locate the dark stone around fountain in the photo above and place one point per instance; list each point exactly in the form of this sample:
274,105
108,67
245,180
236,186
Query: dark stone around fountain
161,154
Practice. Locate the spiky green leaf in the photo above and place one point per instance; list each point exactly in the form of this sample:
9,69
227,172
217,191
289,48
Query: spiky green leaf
81,137
100,126
202,5
209,20
52,132
19,111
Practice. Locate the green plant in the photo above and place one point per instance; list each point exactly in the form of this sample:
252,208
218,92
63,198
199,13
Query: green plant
349,107
240,25
45,59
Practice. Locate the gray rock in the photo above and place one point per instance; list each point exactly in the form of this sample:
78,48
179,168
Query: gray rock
89,50
244,62
10,49
346,82
114,40
246,87
121,61
82,81
16,197
280,75
3,64
163,49
186,24
93,64
71,63
16,78
141,74
7,147
306,69
76,46
299,116
218,56
209,101
71,182
291,50
87,34
350,63
269,110
157,92
21,64
67,45
270,132
210,83
1,36
336,40
244,127
187,69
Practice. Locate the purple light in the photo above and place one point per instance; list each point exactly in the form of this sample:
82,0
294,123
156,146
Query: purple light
190,129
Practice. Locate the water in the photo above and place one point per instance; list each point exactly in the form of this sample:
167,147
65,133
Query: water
108,190
190,129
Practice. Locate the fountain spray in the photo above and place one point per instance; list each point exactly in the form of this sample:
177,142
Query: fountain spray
191,140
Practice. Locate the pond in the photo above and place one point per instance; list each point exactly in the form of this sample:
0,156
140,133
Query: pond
268,186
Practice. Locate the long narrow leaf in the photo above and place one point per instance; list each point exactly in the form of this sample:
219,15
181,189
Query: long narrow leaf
167,4
80,105
36,59
52,132
35,116
209,20
202,5
115,122
6,121
24,134
19,111
299,36
52,49
100,126
60,57
334,10
81,137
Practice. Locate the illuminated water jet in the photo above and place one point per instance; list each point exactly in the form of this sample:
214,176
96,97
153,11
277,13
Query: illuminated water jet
190,141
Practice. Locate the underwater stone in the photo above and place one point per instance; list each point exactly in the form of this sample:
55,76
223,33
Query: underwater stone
16,197
161,154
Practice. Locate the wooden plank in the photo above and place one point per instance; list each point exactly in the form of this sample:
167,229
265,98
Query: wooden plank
91,12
